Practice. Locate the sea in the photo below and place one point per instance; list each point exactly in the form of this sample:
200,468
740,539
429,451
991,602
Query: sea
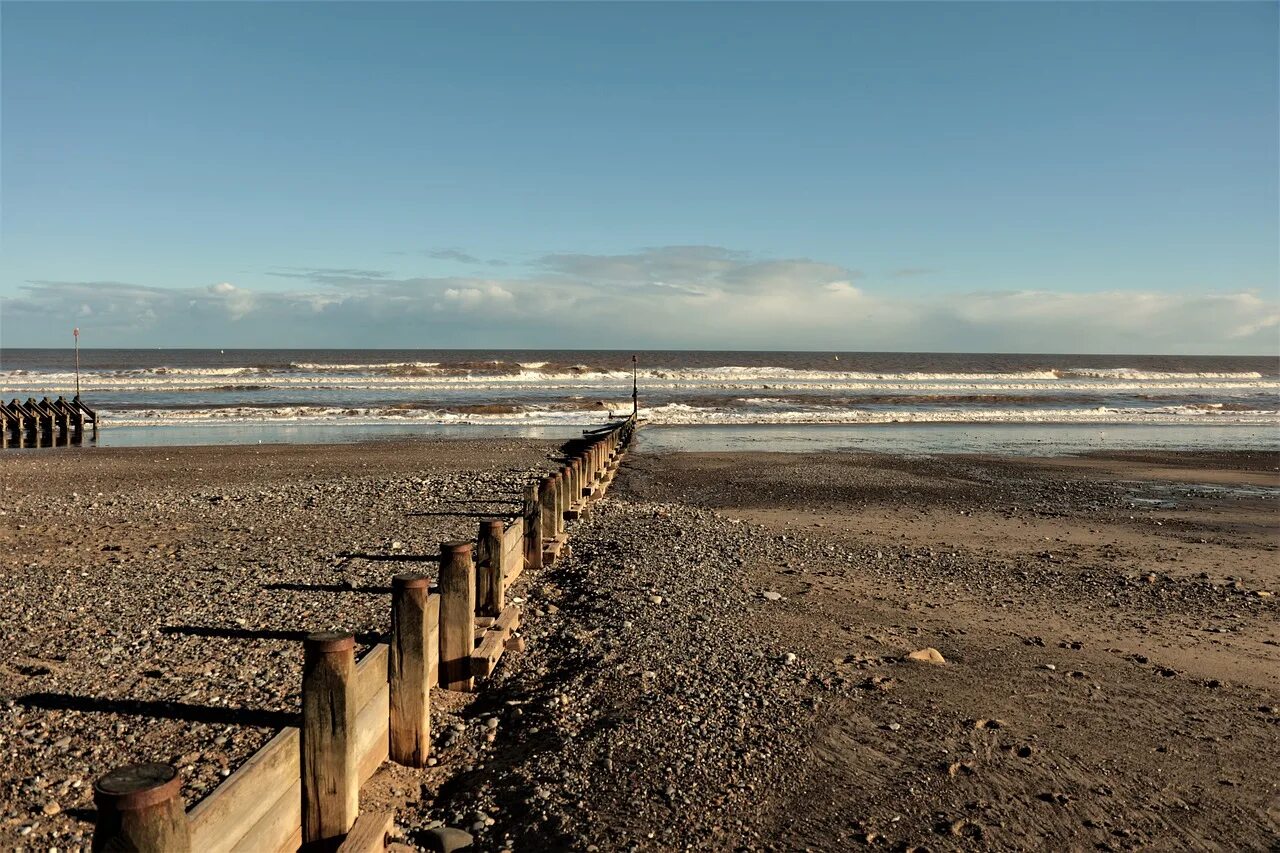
926,402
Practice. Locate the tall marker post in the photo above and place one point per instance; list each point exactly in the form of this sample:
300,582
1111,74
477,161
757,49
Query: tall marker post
76,334
635,389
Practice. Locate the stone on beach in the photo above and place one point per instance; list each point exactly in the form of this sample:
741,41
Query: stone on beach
445,839
927,655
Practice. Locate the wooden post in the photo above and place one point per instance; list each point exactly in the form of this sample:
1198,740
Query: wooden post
490,573
532,528
562,497
547,501
409,670
557,516
330,776
457,615
140,808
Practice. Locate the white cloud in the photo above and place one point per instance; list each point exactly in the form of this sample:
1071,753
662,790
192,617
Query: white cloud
676,297
843,289
474,298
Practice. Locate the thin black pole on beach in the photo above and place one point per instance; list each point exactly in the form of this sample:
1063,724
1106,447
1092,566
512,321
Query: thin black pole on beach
76,334
635,388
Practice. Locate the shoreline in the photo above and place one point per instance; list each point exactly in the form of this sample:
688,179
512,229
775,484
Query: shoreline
1014,439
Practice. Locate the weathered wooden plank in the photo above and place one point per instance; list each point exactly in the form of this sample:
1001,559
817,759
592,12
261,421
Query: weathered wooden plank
492,645
370,833
373,734
248,795
371,673
551,550
279,829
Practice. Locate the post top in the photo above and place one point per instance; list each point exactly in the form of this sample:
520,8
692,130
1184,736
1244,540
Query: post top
455,547
328,642
492,523
137,786
410,580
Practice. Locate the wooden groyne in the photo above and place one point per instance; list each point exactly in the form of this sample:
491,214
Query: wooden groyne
302,789
46,423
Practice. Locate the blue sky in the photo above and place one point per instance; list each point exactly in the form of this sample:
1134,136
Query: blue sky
968,176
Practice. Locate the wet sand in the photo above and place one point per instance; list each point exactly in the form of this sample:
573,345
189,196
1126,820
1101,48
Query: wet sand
1111,618
720,664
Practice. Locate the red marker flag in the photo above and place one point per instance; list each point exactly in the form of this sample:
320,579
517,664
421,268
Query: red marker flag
76,331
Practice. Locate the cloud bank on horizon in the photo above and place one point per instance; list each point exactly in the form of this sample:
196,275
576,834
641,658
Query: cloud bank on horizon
672,297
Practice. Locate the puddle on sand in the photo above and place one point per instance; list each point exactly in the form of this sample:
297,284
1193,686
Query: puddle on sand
1167,495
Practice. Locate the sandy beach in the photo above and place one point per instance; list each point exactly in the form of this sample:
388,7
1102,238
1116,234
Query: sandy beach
722,664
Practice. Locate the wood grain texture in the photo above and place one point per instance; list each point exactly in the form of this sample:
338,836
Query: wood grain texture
279,828
330,787
457,615
493,643
371,673
410,671
369,834
221,821
372,741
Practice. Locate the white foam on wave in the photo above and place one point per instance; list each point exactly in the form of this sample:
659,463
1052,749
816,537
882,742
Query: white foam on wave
317,367
534,371
38,384
1133,374
684,414
676,413
230,415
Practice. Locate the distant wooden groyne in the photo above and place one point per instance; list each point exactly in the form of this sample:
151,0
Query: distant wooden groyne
46,423
302,789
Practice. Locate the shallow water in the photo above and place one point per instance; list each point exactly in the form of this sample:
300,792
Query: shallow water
1008,439
1005,439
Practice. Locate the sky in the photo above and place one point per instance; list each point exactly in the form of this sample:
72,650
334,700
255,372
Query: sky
988,177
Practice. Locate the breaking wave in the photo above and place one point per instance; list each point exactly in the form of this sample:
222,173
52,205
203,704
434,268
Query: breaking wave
682,413
568,387
481,375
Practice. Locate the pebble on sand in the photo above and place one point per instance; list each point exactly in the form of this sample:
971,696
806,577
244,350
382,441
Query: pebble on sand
445,839
927,655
